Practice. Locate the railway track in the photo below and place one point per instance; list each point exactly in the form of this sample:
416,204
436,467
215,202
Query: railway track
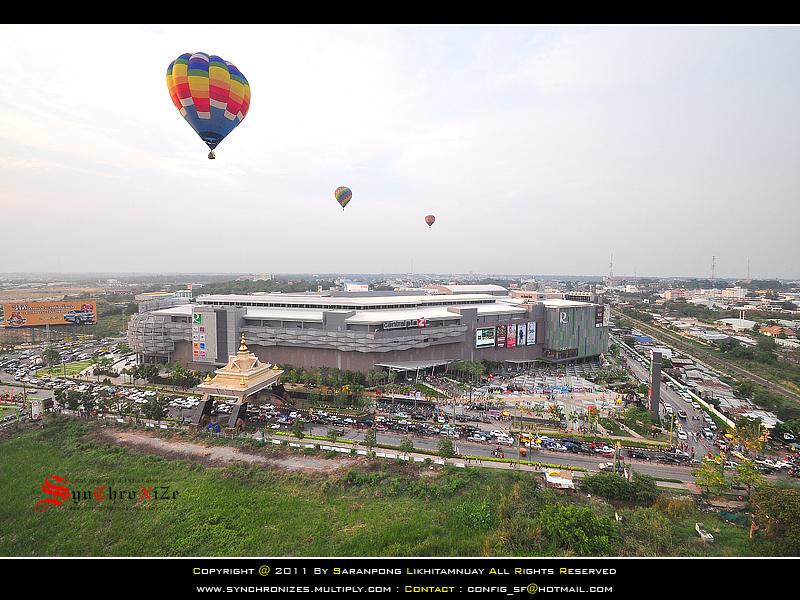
714,361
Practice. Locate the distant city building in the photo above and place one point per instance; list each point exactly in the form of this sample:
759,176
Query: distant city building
737,324
776,330
355,286
735,292
153,296
673,294
494,290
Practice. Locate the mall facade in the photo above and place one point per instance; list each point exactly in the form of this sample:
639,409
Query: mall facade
370,331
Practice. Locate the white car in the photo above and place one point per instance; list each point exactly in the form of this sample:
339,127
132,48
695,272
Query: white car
682,435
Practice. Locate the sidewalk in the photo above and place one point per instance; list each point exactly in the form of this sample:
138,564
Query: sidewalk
390,454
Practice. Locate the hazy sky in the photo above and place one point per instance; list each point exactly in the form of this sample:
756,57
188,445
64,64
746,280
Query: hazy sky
539,150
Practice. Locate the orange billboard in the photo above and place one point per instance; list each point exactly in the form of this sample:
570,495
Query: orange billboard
65,312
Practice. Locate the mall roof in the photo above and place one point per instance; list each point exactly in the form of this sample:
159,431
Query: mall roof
361,316
559,303
354,302
181,310
431,313
288,314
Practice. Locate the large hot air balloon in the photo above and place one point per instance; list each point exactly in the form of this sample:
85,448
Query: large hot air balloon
343,195
210,93
430,219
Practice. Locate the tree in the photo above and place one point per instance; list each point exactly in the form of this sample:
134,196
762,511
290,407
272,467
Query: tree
446,449
297,429
155,408
73,399
749,433
370,440
333,435
748,475
51,356
776,511
710,476
406,445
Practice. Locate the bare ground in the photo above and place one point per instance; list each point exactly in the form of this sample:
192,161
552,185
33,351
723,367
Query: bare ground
224,454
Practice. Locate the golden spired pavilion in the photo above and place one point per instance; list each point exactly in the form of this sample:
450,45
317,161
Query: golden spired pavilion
244,376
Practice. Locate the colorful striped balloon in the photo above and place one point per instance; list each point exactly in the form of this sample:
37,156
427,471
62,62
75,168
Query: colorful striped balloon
343,195
210,93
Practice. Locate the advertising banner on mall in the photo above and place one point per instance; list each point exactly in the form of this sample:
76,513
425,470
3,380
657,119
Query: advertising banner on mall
484,337
531,333
599,311
521,334
512,336
502,331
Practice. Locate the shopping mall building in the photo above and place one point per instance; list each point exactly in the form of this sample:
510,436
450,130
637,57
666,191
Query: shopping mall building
372,330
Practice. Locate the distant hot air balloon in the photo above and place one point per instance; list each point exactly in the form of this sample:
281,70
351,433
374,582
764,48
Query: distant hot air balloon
210,93
430,220
343,195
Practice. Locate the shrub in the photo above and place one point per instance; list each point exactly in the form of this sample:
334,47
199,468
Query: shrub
641,489
577,529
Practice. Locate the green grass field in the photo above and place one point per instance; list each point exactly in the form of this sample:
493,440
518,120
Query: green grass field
239,510
72,369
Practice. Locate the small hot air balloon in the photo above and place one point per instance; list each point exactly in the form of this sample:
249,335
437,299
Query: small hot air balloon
210,93
343,195
430,220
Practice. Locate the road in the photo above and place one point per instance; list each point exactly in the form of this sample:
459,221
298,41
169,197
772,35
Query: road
465,447
671,397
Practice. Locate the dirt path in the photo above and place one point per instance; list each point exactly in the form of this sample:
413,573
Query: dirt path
225,454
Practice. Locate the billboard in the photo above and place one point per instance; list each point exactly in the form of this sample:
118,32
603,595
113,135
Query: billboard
484,337
512,336
204,337
64,312
599,312
502,331
531,333
521,334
